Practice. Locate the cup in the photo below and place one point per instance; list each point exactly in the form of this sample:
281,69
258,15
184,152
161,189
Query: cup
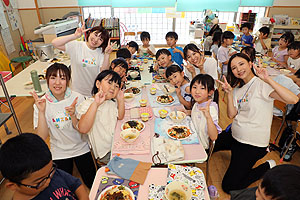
153,91
178,190
161,71
143,102
163,113
145,61
141,68
145,117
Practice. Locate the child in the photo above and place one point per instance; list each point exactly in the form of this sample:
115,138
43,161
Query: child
280,53
164,59
133,47
204,113
246,37
176,52
294,56
209,38
176,77
146,49
262,42
26,163
223,52
54,116
124,53
250,105
98,115
249,51
216,43
120,66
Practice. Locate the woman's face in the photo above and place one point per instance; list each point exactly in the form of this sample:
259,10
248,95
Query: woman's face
109,87
193,57
95,40
58,85
241,68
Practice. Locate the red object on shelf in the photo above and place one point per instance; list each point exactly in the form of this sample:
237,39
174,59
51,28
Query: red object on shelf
272,20
250,11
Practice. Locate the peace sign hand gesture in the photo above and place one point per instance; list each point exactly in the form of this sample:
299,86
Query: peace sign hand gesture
109,49
79,31
71,109
40,103
261,72
100,97
190,68
225,85
205,109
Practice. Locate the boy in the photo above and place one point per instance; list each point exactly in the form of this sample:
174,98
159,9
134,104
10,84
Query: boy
124,53
294,56
146,49
223,52
246,37
262,42
133,47
26,163
164,59
120,66
176,52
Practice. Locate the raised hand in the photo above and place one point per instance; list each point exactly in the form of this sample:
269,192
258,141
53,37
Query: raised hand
120,95
100,97
175,50
40,103
190,68
109,49
79,31
201,62
149,51
205,109
71,109
261,72
225,85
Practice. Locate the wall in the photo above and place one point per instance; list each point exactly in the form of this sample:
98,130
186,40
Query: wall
285,7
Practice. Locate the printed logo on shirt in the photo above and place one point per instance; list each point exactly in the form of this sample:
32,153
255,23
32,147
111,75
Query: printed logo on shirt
61,119
88,63
63,193
243,100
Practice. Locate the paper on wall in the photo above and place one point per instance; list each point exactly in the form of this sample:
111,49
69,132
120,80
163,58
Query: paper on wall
3,21
8,41
19,23
12,16
13,4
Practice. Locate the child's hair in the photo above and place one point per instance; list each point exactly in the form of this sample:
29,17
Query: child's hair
214,29
172,34
120,62
162,51
217,37
145,35
191,47
204,79
115,77
294,45
282,182
134,45
264,30
297,73
249,51
123,53
172,69
23,155
61,68
104,35
227,35
232,80
288,36
246,25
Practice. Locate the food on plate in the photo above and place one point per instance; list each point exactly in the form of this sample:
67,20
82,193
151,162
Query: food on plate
117,192
133,90
179,132
180,116
133,124
128,97
165,99
54,60
178,190
130,135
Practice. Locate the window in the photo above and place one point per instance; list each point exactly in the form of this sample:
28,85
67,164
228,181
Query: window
97,12
260,13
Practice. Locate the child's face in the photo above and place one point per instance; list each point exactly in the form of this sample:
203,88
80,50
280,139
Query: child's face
193,57
164,60
264,36
245,30
171,42
131,49
119,69
176,78
146,41
95,40
228,41
58,85
109,87
294,53
283,43
241,68
200,93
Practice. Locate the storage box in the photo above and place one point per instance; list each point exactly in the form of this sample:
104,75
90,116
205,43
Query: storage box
6,75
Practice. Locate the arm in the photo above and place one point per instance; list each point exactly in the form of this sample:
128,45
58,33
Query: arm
121,105
108,50
87,120
212,131
181,99
71,111
178,51
264,46
81,193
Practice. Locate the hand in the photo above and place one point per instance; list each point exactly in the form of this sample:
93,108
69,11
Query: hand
243,43
261,36
40,103
261,72
120,96
155,68
109,49
149,51
100,97
79,31
71,109
175,50
225,85
177,89
201,62
232,53
190,68
205,109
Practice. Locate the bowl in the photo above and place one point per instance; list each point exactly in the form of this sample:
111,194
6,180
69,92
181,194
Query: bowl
129,135
168,89
114,188
133,74
285,71
128,97
180,116
178,190
133,62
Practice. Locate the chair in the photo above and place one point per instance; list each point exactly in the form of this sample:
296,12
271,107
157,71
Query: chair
209,154
129,36
21,59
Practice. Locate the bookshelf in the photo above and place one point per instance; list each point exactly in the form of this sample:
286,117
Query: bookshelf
278,30
248,18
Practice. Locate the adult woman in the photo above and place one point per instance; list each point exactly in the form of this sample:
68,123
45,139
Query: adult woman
87,58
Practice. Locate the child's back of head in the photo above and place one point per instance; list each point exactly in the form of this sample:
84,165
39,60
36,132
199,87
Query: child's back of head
172,34
217,38
264,30
123,53
250,52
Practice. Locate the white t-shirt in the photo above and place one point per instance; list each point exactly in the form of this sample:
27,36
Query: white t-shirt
145,50
102,132
252,124
85,66
223,56
294,63
65,141
259,48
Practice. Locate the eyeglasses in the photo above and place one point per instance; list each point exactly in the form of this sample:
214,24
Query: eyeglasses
43,181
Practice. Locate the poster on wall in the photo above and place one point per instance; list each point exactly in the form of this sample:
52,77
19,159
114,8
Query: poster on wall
13,19
3,22
9,43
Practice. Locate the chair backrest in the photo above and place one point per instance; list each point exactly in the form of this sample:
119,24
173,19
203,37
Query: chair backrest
210,149
280,105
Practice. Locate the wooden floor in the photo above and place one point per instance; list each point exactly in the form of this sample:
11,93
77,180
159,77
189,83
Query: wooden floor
218,163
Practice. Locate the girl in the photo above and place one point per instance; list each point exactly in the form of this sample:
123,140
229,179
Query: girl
250,105
198,63
209,38
87,58
250,52
98,115
216,43
54,115
176,77
280,53
204,113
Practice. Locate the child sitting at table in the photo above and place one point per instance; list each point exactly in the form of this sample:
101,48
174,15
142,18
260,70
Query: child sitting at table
246,37
164,59
280,53
294,56
26,163
124,53
98,115
204,112
262,42
249,51
176,52
216,39
146,49
120,66
176,77
133,47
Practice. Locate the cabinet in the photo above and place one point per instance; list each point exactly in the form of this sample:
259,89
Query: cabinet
248,18
113,26
278,30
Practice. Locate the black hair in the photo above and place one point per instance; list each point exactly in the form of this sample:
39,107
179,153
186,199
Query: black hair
282,182
297,73
115,77
204,79
232,80
246,25
172,34
288,36
264,30
217,37
162,51
61,68
191,47
145,35
172,69
23,155
123,53
249,51
134,45
227,35
119,62
104,35
294,45
215,28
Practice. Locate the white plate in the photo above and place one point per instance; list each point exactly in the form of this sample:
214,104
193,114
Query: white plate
101,196
58,60
164,103
180,138
132,92
136,121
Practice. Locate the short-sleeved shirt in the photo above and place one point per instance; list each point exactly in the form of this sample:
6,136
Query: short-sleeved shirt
259,48
247,39
279,55
223,56
62,186
214,49
144,50
294,63
176,57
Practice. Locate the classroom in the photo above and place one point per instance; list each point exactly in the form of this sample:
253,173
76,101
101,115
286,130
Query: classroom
152,99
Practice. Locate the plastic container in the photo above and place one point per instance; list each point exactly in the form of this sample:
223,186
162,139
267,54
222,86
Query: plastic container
36,81
6,75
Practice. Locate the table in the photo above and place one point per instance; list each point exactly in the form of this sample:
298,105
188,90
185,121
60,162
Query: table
156,176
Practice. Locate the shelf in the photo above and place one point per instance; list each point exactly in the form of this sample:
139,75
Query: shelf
112,28
4,117
114,38
287,27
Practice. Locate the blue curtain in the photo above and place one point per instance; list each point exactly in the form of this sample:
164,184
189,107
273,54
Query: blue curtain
94,2
143,3
262,3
